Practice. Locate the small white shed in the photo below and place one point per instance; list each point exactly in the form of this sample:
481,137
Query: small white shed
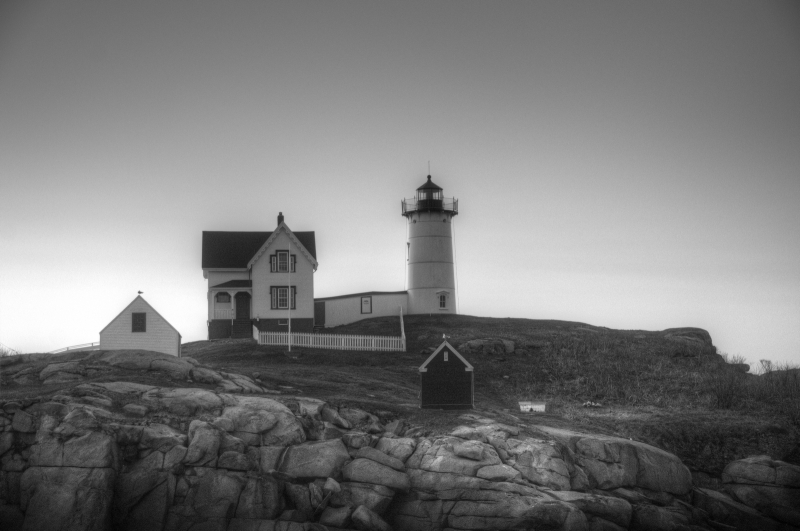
140,327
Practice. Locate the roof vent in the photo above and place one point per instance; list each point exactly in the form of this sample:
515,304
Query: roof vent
280,218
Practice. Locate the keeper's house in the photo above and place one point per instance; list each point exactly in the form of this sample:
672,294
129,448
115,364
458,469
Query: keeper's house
259,278
140,327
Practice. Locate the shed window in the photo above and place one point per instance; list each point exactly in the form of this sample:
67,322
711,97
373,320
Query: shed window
442,301
223,297
139,322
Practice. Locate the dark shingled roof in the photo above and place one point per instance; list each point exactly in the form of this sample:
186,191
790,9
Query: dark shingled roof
235,249
235,284
430,185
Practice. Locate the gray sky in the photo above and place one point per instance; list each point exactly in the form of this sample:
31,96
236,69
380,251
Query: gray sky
626,164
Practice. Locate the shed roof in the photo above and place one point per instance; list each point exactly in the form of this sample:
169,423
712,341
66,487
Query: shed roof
467,366
235,284
235,249
149,306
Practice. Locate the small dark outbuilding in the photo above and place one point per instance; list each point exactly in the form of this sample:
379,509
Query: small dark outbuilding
446,380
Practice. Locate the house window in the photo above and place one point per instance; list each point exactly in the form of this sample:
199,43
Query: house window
280,262
280,297
442,301
224,297
139,322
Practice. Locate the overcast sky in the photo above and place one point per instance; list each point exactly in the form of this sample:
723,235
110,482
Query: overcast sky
633,164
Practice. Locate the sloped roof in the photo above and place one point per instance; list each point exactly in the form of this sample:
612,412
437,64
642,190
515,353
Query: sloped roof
235,284
235,249
362,294
429,185
146,304
467,365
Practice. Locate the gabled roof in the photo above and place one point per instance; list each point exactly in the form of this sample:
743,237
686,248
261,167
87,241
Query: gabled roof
295,239
233,250
467,366
151,309
235,284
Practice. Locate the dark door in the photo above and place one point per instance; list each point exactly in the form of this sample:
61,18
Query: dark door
242,305
319,313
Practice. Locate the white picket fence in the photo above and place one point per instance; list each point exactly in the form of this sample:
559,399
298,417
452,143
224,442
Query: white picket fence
335,341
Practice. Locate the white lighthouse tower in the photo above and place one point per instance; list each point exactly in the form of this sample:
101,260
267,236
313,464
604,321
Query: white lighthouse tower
431,277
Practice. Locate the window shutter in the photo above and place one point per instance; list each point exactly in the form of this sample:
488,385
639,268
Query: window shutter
274,293
294,297
273,263
294,261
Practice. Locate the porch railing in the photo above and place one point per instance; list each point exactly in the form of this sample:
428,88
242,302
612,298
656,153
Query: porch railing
224,313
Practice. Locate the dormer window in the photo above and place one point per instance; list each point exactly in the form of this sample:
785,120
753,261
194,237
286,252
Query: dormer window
280,262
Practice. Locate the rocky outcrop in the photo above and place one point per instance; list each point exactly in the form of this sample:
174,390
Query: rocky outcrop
197,459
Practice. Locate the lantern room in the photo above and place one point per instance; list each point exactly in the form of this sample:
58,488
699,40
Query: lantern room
430,198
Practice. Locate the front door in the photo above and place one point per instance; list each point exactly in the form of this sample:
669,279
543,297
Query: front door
243,305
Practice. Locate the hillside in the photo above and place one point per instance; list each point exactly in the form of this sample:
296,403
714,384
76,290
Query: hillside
192,442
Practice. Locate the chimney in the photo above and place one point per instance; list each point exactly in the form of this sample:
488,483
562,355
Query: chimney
280,218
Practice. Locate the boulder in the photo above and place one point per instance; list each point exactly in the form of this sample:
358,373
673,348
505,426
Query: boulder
249,420
612,462
376,497
300,498
368,471
24,422
722,508
498,473
336,516
356,417
365,520
204,444
235,461
315,459
400,448
260,499
161,437
782,504
329,414
92,450
612,509
183,401
469,450
552,515
70,370
62,498
357,439
762,470
439,456
380,457
216,494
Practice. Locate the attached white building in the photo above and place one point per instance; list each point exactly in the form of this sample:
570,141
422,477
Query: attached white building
140,327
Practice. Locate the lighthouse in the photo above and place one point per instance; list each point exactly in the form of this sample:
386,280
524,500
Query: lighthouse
431,272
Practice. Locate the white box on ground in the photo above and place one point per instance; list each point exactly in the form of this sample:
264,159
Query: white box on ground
533,406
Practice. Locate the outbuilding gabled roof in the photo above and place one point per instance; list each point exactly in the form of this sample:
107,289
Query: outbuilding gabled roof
146,304
234,250
467,366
